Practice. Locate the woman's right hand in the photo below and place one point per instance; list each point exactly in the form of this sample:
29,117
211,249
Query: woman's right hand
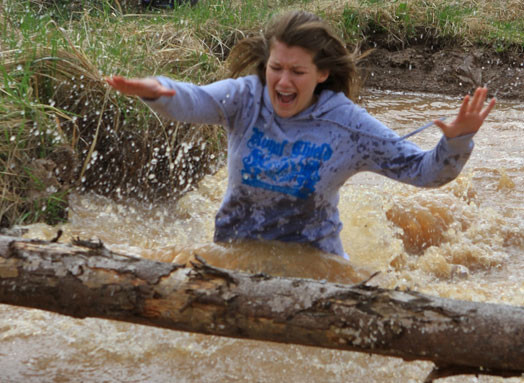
148,88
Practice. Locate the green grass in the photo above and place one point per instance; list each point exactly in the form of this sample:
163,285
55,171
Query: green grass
55,106
506,33
478,22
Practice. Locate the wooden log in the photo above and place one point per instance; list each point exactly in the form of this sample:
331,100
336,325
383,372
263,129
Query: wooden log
88,280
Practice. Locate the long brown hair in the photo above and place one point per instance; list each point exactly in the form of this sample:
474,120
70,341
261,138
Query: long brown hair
310,32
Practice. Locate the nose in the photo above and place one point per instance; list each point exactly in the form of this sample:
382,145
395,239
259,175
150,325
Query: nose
285,78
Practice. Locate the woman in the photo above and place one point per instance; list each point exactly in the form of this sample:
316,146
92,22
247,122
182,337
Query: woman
295,135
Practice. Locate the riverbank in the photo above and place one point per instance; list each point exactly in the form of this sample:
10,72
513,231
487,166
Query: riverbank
447,71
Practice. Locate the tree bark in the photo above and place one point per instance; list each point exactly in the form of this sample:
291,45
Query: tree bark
88,280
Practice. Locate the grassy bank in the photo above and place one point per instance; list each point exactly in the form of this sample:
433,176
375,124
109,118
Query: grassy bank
62,129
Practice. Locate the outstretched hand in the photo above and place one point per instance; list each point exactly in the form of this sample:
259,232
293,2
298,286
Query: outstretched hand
148,88
470,117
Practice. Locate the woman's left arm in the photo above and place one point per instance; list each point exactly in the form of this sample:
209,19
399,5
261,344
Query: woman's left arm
384,152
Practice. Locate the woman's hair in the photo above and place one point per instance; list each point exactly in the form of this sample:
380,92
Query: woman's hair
310,32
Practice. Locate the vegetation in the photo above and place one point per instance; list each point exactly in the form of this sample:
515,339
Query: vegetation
63,129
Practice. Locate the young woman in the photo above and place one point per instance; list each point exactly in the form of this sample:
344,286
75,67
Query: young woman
295,135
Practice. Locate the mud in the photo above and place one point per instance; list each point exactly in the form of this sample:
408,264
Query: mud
448,71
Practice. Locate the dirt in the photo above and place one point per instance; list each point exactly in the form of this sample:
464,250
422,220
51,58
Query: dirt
448,71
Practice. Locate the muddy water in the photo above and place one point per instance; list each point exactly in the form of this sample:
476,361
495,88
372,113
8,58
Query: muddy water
464,240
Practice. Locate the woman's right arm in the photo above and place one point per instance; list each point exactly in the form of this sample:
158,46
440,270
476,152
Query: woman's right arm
218,103
189,105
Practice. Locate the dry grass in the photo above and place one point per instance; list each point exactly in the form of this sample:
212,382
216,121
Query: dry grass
65,129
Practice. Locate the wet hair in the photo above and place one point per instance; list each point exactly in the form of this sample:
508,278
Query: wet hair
310,32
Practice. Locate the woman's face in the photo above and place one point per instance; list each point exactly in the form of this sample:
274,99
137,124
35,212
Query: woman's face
291,78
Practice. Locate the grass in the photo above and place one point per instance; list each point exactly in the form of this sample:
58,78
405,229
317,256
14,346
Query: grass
481,22
63,130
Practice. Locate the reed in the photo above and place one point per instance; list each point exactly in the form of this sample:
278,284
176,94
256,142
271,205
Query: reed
64,130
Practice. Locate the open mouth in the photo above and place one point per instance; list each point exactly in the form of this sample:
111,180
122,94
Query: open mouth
286,98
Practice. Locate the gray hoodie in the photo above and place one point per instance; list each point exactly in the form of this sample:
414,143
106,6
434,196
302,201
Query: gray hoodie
284,174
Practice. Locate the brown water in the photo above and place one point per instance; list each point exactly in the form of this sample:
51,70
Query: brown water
464,240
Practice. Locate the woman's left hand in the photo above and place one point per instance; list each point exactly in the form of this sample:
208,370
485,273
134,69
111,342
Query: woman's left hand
470,117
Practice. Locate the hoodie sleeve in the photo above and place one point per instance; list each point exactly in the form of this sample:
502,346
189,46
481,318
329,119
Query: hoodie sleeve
381,151
219,103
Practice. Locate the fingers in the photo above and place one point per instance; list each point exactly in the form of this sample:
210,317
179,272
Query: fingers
441,124
110,81
142,87
115,80
488,109
119,83
478,100
478,103
464,107
474,105
166,92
